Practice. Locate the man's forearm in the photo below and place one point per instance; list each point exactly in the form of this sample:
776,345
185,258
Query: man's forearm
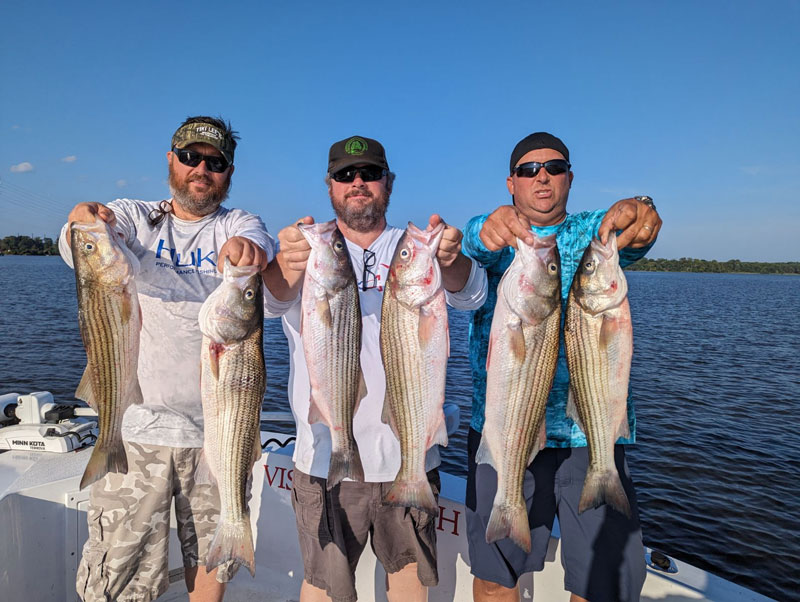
283,282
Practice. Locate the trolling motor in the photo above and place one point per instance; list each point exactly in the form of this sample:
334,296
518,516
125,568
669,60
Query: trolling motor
36,422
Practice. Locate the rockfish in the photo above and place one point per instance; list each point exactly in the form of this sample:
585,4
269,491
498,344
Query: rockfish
232,381
331,334
520,365
415,346
599,342
110,321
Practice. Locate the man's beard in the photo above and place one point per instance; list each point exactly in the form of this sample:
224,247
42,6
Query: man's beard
362,218
200,205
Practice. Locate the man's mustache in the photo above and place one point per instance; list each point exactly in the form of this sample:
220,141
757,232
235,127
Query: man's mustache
359,192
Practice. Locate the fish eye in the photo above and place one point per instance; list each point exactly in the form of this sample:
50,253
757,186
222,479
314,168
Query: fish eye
553,268
405,253
249,294
338,245
89,246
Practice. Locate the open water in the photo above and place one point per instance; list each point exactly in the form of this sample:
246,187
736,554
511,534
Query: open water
716,379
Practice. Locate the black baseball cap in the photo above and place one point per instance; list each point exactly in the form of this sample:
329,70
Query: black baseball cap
534,142
356,150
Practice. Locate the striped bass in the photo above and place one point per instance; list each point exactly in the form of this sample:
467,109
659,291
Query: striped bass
520,366
331,335
415,346
232,382
110,321
598,336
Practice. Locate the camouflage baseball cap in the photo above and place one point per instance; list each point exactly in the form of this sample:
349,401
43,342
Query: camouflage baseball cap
355,150
206,133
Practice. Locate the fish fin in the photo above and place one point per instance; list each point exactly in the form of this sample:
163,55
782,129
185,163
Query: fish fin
314,413
84,390
609,331
438,434
204,472
135,396
213,359
516,341
105,459
509,521
447,336
604,488
258,451
126,309
412,494
484,454
572,409
539,442
362,389
426,327
624,428
387,417
345,464
324,311
232,542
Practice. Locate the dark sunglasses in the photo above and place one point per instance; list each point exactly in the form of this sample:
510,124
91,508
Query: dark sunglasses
368,278
192,158
554,167
370,173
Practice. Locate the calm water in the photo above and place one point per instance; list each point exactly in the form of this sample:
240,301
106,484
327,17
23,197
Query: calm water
716,378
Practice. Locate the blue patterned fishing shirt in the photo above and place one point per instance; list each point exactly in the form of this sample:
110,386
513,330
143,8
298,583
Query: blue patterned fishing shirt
573,235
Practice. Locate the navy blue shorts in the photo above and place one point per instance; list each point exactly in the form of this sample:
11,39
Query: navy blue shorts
601,549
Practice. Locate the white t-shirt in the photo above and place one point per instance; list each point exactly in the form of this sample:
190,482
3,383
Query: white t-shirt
178,271
377,445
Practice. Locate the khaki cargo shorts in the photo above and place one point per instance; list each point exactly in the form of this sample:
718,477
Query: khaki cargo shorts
125,557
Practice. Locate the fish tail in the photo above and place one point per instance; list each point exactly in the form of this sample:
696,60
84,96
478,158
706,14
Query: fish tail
105,459
509,521
232,541
604,487
345,464
415,494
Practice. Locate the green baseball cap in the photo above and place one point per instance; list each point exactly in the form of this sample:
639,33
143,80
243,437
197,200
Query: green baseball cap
207,133
355,150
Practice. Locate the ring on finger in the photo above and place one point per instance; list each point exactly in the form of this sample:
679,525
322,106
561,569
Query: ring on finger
646,227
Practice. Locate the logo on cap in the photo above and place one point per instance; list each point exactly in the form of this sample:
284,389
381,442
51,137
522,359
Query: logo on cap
355,146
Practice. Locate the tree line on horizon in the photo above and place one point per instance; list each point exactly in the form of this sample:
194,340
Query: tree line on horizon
689,264
26,245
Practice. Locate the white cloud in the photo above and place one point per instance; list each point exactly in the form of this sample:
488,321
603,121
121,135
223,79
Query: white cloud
122,183
70,159
14,127
22,167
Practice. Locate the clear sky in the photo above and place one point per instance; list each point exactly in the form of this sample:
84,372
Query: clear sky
694,102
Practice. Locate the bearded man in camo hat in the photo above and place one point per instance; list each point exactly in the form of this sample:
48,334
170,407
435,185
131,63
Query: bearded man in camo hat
181,244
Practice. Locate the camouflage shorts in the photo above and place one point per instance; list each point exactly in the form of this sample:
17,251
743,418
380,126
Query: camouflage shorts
125,557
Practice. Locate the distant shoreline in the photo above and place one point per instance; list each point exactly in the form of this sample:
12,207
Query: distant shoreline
687,265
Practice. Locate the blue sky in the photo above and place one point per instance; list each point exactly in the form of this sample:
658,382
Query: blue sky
692,102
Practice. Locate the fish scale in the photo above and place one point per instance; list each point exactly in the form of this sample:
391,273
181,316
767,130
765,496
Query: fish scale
110,322
521,363
414,346
232,382
599,345
331,337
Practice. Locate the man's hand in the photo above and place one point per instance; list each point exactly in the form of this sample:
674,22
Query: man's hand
455,265
502,228
450,245
87,213
284,275
294,248
639,224
242,251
